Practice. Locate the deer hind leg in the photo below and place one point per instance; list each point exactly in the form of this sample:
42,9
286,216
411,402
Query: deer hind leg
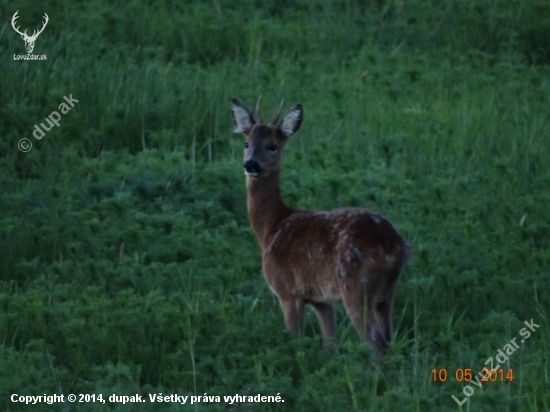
380,333
293,310
325,316
382,300
383,312
327,322
357,306
370,315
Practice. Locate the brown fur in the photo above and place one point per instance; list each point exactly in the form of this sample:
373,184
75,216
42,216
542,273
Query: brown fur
346,255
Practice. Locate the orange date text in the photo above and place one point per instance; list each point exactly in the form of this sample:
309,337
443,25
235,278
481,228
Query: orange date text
465,375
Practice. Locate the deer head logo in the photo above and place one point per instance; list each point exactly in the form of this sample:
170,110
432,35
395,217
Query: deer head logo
29,40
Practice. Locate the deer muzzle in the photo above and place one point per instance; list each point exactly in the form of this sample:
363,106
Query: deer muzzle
252,168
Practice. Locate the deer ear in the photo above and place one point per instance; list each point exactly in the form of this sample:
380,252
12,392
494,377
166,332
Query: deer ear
292,120
242,117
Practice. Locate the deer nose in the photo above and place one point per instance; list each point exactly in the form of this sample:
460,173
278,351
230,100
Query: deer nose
252,167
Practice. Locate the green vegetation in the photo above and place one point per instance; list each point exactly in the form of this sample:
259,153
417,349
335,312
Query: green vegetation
127,263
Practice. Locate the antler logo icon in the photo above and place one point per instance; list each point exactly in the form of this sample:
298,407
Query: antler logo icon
29,40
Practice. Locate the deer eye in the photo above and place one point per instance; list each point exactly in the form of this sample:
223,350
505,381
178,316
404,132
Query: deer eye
272,148
246,145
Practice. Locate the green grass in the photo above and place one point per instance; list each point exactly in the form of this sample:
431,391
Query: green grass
127,263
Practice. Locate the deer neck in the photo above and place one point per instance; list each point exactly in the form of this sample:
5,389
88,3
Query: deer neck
265,206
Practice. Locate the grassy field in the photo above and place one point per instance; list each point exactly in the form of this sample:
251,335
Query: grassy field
127,263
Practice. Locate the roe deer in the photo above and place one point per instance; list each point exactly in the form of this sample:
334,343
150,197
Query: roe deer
350,255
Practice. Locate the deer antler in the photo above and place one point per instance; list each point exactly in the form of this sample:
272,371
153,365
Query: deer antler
275,119
257,115
13,21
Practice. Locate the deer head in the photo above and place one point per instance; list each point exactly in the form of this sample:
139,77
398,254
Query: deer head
29,40
264,142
